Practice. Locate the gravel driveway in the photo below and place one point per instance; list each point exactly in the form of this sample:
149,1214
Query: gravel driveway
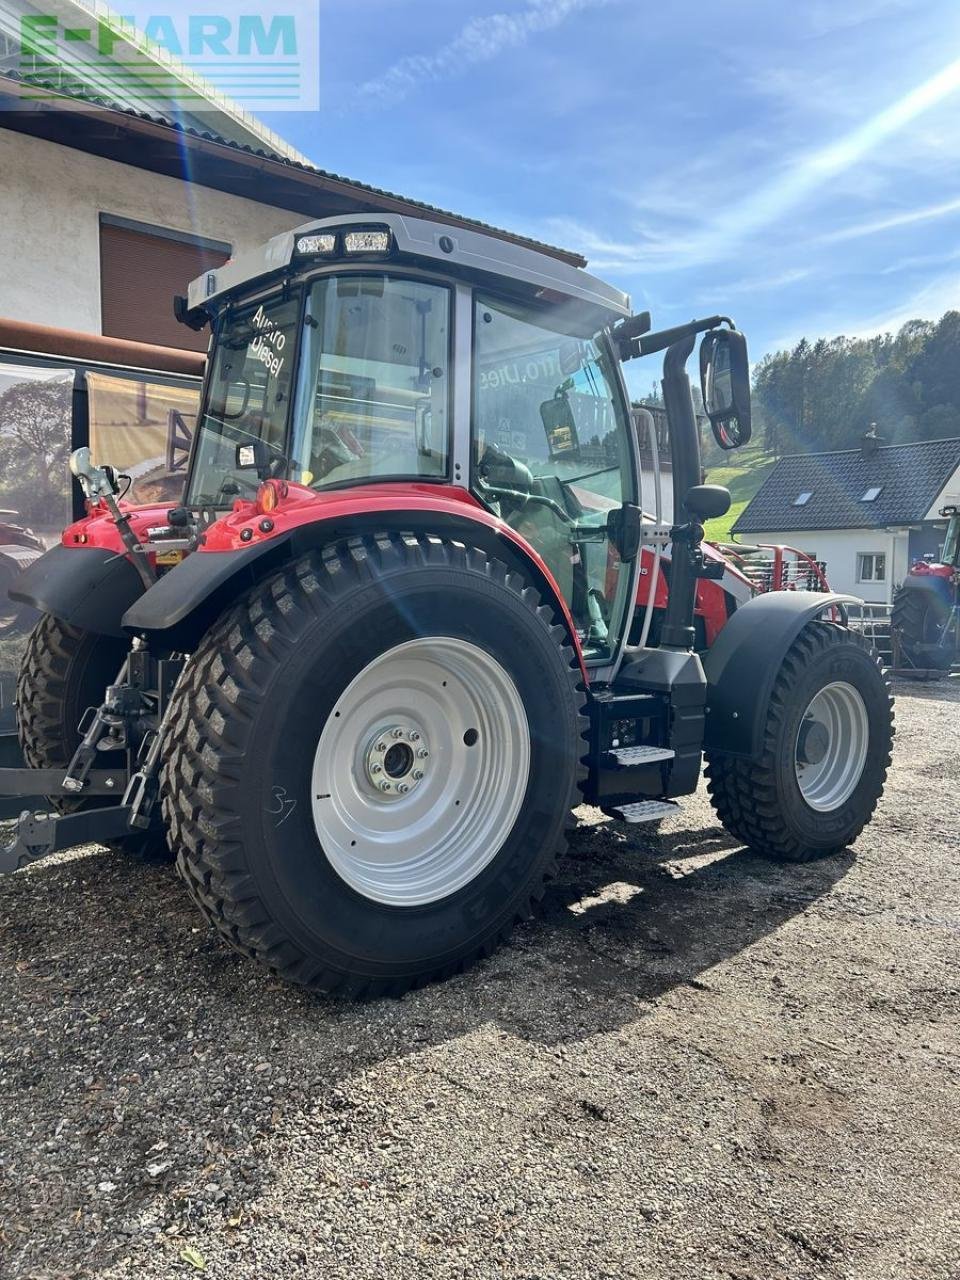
695,1064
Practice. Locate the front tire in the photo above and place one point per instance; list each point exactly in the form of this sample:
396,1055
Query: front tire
826,749
290,790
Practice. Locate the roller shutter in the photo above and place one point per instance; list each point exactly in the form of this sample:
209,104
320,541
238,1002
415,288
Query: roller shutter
140,274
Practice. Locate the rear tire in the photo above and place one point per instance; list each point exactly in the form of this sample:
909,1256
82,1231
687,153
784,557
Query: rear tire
791,808
916,620
63,672
271,787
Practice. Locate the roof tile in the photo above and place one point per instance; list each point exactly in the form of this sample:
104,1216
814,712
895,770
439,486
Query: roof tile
909,476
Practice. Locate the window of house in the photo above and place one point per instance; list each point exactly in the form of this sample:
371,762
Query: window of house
142,269
872,494
802,499
871,566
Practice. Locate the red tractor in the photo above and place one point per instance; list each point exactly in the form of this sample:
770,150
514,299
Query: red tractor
359,680
926,608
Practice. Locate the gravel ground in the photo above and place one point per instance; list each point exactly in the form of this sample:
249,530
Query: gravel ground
694,1064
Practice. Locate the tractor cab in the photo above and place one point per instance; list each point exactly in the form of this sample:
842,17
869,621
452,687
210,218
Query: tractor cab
403,357
362,368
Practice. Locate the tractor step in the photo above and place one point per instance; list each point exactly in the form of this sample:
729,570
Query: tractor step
645,810
629,756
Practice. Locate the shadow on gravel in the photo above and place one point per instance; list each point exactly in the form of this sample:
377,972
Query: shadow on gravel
627,918
633,919
942,689
146,1066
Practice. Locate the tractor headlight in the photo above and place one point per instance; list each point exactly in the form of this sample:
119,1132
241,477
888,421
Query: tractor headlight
369,241
326,242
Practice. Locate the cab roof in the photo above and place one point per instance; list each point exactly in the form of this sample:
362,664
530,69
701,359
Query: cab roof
460,250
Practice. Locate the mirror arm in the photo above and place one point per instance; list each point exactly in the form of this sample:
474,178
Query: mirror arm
678,628
631,347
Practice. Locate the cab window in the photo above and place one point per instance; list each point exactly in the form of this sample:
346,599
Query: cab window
247,398
373,392
551,454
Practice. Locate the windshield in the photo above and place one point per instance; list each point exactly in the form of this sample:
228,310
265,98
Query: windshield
247,398
373,394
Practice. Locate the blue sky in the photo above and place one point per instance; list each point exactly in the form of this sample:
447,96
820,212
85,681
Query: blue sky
795,166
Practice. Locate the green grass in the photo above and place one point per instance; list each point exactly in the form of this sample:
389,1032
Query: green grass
742,472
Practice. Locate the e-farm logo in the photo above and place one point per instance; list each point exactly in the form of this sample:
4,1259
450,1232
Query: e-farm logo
177,54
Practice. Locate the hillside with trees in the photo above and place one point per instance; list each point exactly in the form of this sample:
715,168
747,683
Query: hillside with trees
824,394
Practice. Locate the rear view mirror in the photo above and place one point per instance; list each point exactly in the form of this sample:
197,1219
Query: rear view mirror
563,442
725,385
254,455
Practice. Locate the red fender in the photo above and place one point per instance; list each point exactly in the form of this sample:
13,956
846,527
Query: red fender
248,524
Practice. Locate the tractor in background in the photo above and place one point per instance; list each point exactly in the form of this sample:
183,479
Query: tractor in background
925,622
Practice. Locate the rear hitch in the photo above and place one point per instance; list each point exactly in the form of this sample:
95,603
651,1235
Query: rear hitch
40,834
130,721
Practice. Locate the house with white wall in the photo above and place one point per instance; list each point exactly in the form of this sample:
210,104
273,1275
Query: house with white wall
867,513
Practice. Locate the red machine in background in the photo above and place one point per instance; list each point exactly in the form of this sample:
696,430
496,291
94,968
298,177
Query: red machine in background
926,607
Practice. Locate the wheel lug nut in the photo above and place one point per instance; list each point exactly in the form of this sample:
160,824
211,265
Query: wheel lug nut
403,788
384,786
414,736
376,768
423,753
417,774
381,746
398,733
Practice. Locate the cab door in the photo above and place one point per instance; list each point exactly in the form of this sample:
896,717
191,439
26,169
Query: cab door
552,455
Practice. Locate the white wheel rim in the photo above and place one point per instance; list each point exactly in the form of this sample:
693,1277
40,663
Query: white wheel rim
442,708
831,747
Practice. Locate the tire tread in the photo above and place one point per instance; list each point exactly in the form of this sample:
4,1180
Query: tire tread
213,708
743,792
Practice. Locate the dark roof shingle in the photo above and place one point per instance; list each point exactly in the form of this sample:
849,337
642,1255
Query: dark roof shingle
909,477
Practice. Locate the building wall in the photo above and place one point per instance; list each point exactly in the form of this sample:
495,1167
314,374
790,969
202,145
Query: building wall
51,198
839,549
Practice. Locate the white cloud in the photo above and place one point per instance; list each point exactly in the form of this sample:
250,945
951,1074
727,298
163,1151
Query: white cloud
915,262
928,303
877,225
759,283
688,245
805,175
479,40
